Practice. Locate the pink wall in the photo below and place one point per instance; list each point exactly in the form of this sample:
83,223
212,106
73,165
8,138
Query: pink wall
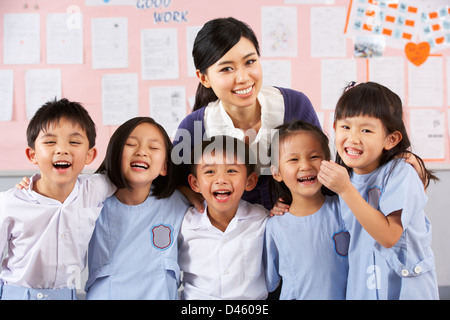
82,83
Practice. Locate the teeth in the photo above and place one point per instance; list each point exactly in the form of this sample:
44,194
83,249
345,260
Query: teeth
62,164
306,178
139,165
354,152
245,91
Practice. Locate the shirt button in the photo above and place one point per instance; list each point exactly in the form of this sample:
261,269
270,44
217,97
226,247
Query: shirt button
39,295
405,273
417,269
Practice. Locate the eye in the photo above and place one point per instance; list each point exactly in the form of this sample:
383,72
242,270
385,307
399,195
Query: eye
232,171
250,62
226,69
75,142
366,131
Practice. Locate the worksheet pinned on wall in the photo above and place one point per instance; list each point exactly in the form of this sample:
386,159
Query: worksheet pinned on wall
21,38
426,84
120,99
279,31
110,43
41,85
168,107
335,75
64,38
6,94
159,54
389,71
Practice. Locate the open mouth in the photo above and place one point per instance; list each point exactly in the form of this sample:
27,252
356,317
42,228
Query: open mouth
307,180
352,152
62,165
244,92
222,195
139,165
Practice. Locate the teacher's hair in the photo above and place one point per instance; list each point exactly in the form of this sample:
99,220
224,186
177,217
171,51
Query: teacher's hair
213,41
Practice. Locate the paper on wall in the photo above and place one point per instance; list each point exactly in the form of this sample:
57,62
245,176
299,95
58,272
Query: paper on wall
21,38
120,100
41,86
159,54
426,83
110,43
168,107
336,75
64,39
6,94
327,32
279,31
427,129
389,71
277,73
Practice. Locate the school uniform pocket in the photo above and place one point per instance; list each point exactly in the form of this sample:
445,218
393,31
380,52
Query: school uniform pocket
253,250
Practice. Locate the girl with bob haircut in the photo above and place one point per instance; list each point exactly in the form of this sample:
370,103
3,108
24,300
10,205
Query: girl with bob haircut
382,198
133,253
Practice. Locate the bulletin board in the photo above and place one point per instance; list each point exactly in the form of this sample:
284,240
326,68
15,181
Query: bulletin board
127,58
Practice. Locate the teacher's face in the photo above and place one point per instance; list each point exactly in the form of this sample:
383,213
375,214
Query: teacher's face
237,77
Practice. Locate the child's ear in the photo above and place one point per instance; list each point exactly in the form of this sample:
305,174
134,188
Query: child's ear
276,173
193,182
252,180
91,155
164,170
31,155
392,140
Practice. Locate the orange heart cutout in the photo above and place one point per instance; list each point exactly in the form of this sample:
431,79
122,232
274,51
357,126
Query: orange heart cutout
417,53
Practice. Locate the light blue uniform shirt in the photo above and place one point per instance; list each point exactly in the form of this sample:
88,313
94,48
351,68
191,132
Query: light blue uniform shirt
309,253
133,251
407,270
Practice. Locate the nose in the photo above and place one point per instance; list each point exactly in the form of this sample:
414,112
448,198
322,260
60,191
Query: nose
304,165
241,75
220,179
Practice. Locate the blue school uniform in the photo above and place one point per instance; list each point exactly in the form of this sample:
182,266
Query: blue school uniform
309,253
133,251
407,270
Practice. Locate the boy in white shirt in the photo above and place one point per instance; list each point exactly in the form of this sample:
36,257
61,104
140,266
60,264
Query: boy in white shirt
221,250
46,229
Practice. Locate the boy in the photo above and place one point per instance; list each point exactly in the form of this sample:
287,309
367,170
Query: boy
221,250
47,228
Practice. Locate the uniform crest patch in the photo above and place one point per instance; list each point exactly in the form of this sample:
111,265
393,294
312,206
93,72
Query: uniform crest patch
162,236
341,242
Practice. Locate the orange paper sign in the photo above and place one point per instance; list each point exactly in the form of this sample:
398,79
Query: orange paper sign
417,53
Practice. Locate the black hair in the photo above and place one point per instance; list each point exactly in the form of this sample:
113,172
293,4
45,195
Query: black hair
230,146
52,112
163,186
213,41
287,130
375,100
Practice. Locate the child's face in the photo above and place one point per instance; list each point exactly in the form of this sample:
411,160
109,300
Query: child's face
360,142
221,183
61,152
300,158
144,156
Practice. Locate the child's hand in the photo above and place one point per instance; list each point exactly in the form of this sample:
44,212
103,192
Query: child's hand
411,158
24,184
279,208
194,198
334,176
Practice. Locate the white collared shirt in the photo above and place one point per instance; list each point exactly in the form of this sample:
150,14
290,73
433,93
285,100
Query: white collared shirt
223,265
47,240
218,122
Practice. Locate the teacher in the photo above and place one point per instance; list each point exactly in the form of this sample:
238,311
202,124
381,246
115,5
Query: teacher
231,99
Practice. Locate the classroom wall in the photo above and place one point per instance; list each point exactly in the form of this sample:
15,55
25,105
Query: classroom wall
309,47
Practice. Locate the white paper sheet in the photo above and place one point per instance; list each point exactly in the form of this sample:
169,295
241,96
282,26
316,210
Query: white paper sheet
336,74
64,38
110,43
427,129
191,33
168,107
120,99
6,94
389,72
426,83
327,32
279,31
277,73
41,85
21,38
159,54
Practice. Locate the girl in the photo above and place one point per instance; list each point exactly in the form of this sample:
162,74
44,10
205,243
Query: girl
231,100
133,251
382,198
306,247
